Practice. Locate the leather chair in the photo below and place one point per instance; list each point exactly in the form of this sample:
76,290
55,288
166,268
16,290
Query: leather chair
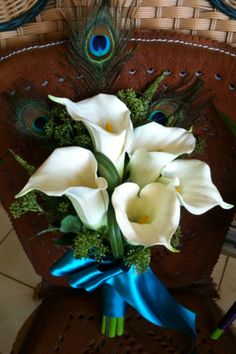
68,320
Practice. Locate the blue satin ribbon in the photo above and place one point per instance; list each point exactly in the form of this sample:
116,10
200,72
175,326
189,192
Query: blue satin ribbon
123,285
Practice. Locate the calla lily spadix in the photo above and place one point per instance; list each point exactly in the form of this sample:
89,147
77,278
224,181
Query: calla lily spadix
146,217
195,189
108,121
72,171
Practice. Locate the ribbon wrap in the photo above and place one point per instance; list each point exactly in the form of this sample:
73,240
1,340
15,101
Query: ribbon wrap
123,285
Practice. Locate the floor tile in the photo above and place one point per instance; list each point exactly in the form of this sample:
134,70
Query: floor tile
5,224
15,263
217,272
228,286
16,304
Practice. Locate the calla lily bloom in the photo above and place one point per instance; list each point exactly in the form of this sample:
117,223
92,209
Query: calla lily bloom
193,185
146,217
154,147
72,171
108,121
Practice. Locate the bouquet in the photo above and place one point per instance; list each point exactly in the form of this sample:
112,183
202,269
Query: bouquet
118,175
114,187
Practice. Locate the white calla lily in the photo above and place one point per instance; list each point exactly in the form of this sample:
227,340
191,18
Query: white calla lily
72,171
157,138
108,121
193,185
145,167
155,146
147,217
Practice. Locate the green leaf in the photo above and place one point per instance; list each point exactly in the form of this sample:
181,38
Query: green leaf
151,91
107,170
115,235
126,165
229,122
70,223
44,231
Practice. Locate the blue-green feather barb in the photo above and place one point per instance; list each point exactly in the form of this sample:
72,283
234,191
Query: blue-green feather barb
99,36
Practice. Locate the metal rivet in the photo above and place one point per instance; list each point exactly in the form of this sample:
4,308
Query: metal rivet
198,73
150,70
167,72
45,83
218,77
132,72
182,74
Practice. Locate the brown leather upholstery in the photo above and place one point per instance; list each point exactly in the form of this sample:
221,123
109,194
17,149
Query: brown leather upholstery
71,324
203,235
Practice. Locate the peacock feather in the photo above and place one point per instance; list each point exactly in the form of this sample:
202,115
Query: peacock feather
30,114
99,40
178,106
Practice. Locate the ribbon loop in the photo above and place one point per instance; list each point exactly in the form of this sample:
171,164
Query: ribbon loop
143,291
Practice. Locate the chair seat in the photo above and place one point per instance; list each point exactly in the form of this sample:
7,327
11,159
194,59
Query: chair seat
70,323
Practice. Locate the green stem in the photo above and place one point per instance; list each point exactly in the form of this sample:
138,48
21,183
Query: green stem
112,326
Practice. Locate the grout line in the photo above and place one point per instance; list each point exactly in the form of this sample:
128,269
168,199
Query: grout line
17,280
4,238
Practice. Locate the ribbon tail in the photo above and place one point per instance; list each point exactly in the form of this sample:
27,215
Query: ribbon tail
150,298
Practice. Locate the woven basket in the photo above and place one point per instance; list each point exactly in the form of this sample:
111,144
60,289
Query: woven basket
196,17
15,13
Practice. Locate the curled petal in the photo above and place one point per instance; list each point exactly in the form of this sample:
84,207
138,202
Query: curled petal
108,121
72,171
145,167
147,217
195,189
155,137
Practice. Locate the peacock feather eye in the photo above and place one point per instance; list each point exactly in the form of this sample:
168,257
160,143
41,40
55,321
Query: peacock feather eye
160,111
33,117
39,123
100,43
158,117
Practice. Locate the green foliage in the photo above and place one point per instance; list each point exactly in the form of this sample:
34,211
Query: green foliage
150,93
25,204
136,105
176,238
28,168
65,131
138,256
107,170
70,223
63,207
200,146
139,104
90,243
115,237
56,208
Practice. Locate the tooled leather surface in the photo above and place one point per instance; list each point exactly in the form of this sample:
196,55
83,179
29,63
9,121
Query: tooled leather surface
203,235
71,324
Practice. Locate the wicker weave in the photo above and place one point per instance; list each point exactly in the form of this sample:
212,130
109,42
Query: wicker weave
13,9
230,3
196,17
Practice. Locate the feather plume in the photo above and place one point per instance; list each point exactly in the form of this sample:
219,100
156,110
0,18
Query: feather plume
180,105
30,114
99,40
